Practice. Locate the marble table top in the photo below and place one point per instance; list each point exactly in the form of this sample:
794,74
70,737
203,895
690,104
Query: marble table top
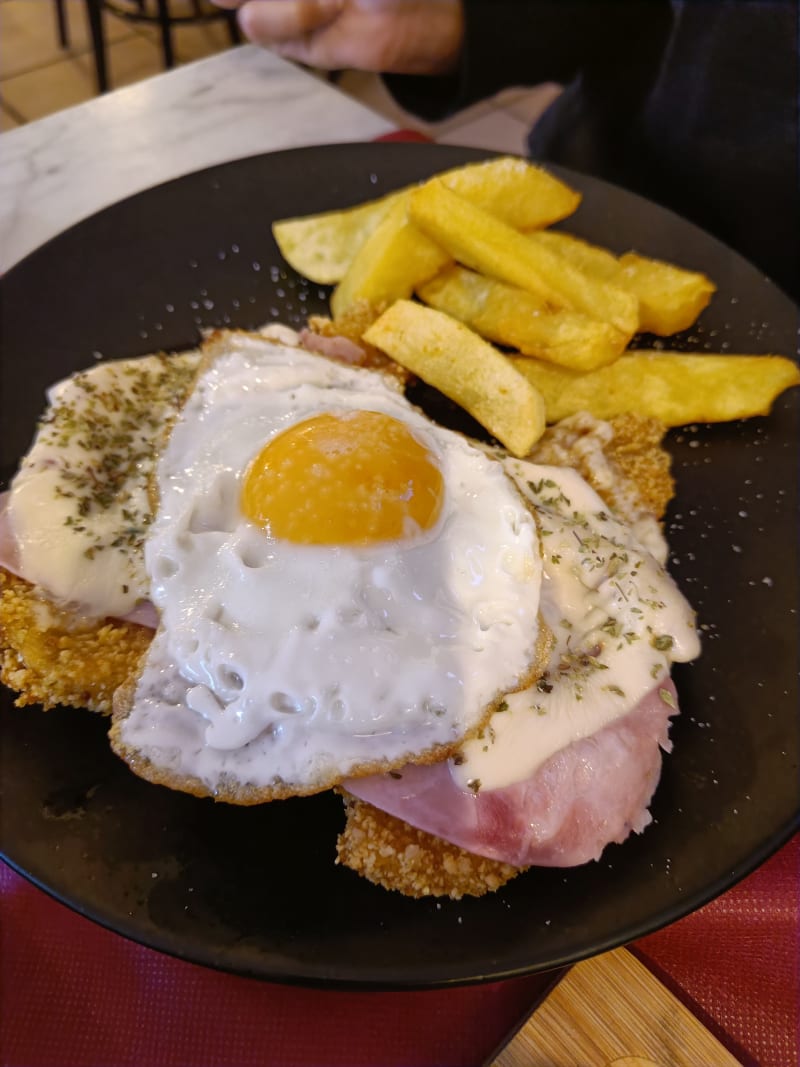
63,168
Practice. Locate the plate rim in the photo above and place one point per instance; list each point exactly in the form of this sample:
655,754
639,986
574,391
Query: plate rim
682,906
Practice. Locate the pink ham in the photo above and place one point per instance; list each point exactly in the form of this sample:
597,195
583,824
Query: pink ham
591,793
344,350
341,349
144,614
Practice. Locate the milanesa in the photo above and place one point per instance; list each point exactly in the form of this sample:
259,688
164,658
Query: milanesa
580,671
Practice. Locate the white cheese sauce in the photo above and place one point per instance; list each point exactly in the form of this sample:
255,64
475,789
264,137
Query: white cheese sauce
618,619
78,508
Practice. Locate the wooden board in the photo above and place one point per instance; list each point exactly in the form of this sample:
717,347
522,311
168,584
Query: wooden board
611,1010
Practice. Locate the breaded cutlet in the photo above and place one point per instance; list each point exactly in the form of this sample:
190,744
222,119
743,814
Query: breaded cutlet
633,474
387,851
49,656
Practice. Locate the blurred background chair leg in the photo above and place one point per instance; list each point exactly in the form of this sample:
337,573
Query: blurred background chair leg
166,33
234,32
62,24
94,11
95,15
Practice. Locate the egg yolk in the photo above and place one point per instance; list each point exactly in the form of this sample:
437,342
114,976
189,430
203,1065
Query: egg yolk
348,479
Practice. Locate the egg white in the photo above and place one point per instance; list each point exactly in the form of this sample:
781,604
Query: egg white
278,664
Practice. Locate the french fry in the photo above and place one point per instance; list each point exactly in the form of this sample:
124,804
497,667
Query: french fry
670,298
322,247
460,364
520,193
510,316
567,306
395,257
591,259
674,387
480,240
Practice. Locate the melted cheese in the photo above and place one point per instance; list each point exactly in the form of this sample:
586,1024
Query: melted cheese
78,507
619,622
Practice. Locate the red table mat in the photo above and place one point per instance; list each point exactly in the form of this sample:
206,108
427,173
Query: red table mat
75,995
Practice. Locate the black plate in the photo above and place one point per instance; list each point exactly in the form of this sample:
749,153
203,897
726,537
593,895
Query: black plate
256,890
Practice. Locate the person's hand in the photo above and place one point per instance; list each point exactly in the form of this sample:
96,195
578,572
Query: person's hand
393,36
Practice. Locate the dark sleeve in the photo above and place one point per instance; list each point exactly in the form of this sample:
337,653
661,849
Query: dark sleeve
506,42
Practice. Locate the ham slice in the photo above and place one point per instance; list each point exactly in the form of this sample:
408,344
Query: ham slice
144,614
591,793
342,349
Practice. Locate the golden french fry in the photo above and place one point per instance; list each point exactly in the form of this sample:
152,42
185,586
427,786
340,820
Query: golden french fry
322,247
454,360
394,258
510,316
571,304
485,243
520,193
671,386
670,298
591,259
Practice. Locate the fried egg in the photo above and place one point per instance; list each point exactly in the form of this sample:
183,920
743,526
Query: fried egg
342,584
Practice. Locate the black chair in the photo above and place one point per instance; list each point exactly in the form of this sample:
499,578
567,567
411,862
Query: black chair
62,24
154,11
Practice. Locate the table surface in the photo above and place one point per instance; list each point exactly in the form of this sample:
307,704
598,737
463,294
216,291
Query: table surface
242,102
63,168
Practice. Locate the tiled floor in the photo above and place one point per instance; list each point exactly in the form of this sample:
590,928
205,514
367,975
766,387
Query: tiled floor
38,76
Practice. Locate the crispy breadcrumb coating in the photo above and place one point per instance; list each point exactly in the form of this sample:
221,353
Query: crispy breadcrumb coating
387,851
353,324
622,459
636,449
51,657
